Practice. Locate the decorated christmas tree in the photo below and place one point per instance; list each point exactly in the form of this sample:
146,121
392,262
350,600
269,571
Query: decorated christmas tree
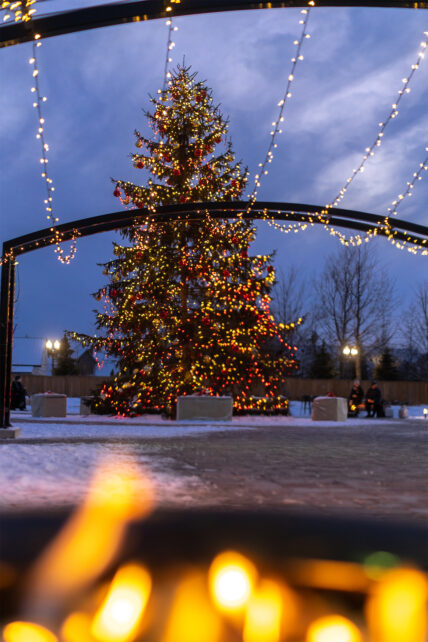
186,309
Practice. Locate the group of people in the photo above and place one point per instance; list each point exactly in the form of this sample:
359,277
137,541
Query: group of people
17,395
373,403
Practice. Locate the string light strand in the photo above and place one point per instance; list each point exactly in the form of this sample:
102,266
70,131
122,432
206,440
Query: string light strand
19,10
298,57
417,176
370,151
39,99
170,45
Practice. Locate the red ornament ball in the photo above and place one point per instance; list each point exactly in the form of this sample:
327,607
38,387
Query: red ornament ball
244,254
206,320
116,192
140,165
226,273
164,314
167,157
113,293
176,171
198,152
183,198
270,268
218,139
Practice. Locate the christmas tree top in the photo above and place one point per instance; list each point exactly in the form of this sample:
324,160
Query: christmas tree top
181,156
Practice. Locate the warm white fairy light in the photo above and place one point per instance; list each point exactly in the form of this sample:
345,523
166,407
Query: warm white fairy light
168,60
48,202
417,176
370,151
277,124
19,10
358,239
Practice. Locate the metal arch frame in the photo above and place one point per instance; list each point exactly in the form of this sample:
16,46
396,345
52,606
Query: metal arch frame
136,11
123,12
362,221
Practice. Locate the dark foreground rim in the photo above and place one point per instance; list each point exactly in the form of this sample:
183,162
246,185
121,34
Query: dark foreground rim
195,535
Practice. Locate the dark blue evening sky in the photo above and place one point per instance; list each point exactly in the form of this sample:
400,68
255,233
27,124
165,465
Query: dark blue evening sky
97,83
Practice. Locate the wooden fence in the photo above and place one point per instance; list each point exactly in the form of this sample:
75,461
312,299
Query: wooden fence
410,392
70,385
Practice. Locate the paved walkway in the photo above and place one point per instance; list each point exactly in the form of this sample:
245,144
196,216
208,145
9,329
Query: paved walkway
377,468
381,469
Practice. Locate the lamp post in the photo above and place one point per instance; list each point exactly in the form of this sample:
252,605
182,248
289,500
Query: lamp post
353,352
51,348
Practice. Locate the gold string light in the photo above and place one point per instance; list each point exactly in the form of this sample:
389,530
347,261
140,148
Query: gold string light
387,228
18,10
370,151
417,176
62,256
322,216
168,60
276,125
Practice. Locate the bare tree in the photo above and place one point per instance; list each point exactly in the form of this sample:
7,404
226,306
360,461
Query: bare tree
356,298
289,302
293,300
415,335
421,317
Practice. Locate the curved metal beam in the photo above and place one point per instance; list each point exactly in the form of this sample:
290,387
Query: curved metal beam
115,13
351,219
362,221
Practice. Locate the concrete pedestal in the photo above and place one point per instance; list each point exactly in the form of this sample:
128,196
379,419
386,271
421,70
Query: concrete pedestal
85,405
49,405
403,413
329,409
9,433
204,407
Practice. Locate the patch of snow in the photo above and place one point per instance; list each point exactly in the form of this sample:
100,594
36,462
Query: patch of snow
75,426
59,474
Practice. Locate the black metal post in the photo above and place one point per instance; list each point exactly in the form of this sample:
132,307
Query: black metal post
7,296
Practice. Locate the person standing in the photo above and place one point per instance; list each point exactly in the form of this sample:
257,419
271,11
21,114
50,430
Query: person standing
355,399
17,396
374,404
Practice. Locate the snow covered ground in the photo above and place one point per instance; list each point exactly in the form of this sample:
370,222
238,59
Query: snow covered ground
75,426
52,462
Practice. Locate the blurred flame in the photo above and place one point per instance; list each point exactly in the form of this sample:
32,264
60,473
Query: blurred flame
231,578
333,628
192,617
118,618
396,611
76,628
264,613
27,632
91,538
339,576
7,575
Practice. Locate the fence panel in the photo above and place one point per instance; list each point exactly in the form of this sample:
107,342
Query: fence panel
410,392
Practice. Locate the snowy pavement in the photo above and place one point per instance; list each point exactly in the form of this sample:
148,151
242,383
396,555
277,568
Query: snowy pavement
105,427
371,465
